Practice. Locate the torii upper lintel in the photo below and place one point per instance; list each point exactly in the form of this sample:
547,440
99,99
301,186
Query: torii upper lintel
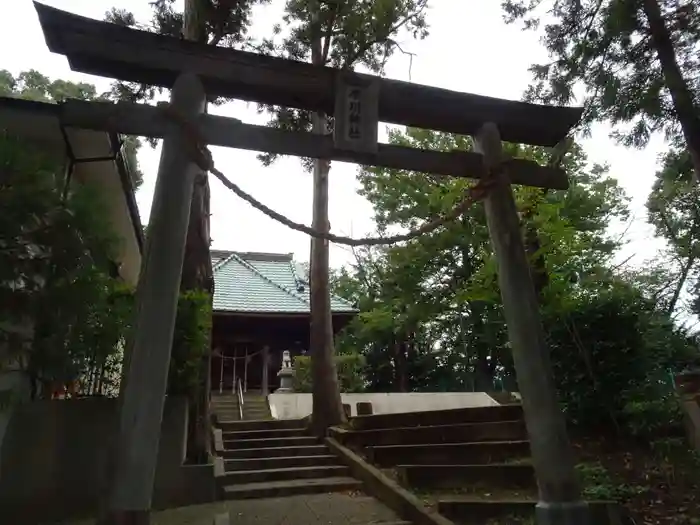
109,50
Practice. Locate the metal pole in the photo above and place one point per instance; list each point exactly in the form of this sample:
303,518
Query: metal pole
156,303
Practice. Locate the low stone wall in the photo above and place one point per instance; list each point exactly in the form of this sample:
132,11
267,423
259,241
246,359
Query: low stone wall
294,406
54,455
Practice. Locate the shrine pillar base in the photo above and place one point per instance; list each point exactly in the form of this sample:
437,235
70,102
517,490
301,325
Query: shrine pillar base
562,513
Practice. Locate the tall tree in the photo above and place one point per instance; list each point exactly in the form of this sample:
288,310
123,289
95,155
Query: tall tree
674,211
344,35
636,60
440,288
612,342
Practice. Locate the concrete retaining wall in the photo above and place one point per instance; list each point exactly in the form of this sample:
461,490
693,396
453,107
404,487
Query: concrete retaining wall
53,458
293,406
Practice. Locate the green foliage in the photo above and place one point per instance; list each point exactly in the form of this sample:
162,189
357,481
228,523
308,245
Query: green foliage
431,310
604,50
32,85
223,23
431,307
598,484
190,343
611,352
354,34
654,417
673,210
350,373
62,315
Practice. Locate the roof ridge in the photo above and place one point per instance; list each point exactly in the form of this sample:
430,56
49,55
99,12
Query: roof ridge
292,264
293,267
223,261
257,272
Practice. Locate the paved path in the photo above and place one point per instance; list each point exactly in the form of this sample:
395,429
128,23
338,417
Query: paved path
316,509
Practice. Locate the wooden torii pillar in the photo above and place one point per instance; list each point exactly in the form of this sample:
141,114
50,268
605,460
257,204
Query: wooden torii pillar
156,308
275,81
560,493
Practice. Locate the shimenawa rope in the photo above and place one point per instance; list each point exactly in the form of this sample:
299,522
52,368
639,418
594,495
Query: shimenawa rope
203,158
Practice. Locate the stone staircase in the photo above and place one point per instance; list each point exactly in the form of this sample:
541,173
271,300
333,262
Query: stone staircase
266,458
255,407
458,461
471,465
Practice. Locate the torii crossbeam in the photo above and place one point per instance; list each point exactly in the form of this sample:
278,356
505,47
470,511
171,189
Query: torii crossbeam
358,103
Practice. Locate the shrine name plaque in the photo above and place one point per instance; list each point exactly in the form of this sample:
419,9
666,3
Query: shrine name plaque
356,114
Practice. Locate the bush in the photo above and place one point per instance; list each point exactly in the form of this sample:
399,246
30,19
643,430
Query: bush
656,418
611,355
190,343
350,369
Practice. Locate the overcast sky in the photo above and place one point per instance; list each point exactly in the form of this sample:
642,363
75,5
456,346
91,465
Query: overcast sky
469,49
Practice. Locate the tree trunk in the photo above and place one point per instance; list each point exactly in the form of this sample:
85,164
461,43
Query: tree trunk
679,286
197,276
480,350
688,115
327,404
400,364
538,268
197,272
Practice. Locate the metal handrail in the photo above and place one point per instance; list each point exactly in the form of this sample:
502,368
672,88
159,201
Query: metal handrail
239,391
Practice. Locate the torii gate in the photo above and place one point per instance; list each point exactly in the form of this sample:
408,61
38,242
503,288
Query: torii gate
358,103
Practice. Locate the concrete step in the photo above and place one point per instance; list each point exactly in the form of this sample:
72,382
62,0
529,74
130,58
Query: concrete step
255,410
275,452
264,434
294,441
475,511
224,408
460,433
449,453
221,421
236,465
261,424
226,414
224,400
224,404
501,476
284,474
275,489
255,401
256,415
438,417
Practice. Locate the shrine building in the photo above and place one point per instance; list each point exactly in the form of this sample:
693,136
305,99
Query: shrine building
261,308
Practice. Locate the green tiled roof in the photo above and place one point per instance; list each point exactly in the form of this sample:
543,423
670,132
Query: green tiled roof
264,283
